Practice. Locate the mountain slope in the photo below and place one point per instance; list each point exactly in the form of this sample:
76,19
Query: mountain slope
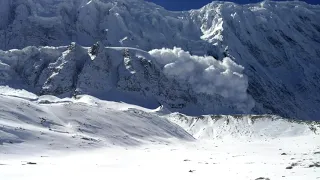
95,86
129,23
131,75
243,127
84,137
88,122
277,43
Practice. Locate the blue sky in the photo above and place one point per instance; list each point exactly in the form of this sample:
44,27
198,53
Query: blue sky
195,4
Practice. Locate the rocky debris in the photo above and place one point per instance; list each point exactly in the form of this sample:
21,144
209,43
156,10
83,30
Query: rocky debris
289,167
316,164
31,163
262,178
292,166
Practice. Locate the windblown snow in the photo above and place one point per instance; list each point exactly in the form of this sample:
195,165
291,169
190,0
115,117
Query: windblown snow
207,75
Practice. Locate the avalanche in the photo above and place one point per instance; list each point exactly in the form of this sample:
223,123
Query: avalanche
207,75
190,84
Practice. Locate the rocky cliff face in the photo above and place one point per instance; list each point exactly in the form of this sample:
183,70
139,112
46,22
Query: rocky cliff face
277,43
121,74
129,23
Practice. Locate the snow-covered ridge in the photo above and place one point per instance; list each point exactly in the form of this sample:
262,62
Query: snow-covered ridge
243,126
273,41
53,122
131,75
88,122
133,23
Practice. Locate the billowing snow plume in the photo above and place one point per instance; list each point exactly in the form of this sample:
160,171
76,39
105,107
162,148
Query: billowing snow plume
206,74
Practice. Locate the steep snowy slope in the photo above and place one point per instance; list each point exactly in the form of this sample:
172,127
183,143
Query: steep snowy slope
277,43
133,23
131,75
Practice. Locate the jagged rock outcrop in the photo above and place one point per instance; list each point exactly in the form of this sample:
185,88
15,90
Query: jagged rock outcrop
108,73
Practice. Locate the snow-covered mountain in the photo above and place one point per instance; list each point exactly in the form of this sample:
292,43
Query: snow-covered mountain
129,88
276,46
130,75
278,43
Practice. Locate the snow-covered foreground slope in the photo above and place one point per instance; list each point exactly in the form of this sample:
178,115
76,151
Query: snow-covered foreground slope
26,118
228,160
276,43
84,137
87,121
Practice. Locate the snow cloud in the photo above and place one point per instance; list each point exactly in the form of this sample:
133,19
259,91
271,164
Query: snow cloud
207,75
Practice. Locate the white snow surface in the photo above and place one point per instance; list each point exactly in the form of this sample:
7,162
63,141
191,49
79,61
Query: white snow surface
85,137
